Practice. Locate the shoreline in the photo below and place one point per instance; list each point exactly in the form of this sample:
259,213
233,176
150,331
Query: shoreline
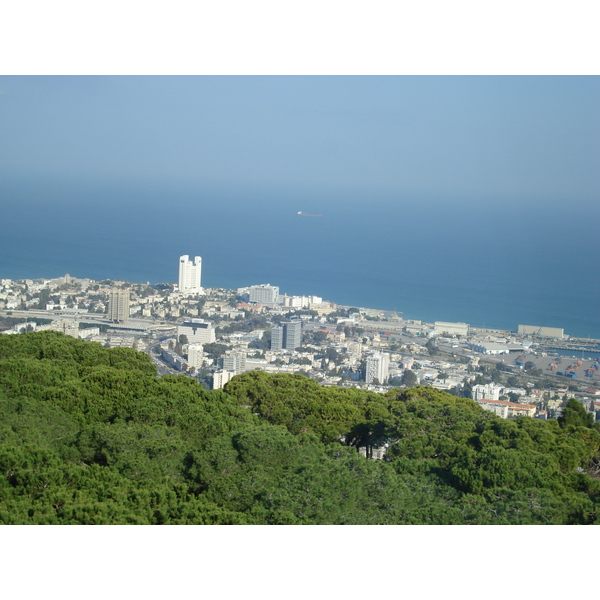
484,330
393,315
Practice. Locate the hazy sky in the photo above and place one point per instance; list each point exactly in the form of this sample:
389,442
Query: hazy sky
486,137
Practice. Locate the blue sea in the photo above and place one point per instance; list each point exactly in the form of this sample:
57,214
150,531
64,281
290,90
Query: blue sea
494,263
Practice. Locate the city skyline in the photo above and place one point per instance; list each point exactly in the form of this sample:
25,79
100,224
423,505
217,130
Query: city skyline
451,198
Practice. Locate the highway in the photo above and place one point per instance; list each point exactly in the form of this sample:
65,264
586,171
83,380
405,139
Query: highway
96,319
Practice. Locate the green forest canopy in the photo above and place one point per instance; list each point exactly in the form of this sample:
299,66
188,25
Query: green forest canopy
90,435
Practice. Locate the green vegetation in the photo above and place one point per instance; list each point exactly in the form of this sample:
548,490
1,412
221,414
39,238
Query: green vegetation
432,348
214,350
90,435
409,379
575,414
8,322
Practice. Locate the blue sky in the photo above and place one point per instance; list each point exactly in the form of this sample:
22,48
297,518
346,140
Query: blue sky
484,137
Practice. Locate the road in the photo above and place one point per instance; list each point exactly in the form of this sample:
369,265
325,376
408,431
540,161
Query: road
96,319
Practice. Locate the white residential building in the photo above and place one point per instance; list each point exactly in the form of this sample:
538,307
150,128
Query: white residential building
190,274
88,332
64,326
355,349
220,378
197,331
176,361
488,391
407,362
506,409
377,367
195,355
118,305
263,293
300,301
235,361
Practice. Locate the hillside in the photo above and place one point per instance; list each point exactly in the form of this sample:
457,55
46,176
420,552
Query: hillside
90,435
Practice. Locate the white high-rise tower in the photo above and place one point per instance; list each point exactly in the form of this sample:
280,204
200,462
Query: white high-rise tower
190,274
118,305
377,368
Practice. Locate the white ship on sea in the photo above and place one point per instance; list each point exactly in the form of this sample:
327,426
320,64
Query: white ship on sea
303,214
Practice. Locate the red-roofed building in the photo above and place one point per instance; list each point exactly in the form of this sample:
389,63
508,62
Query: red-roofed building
506,409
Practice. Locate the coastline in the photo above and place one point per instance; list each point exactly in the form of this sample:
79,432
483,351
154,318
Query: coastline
479,330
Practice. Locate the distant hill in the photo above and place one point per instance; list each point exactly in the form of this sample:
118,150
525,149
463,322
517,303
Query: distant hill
90,435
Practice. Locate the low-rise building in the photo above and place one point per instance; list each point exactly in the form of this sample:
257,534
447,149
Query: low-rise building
197,331
551,332
506,409
176,361
451,328
64,326
490,391
89,332
489,348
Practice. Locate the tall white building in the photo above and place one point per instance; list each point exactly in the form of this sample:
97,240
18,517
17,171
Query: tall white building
118,305
235,361
195,355
220,378
292,334
288,335
263,293
277,337
190,275
377,367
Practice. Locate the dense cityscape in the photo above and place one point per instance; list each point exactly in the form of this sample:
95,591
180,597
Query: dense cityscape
214,334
